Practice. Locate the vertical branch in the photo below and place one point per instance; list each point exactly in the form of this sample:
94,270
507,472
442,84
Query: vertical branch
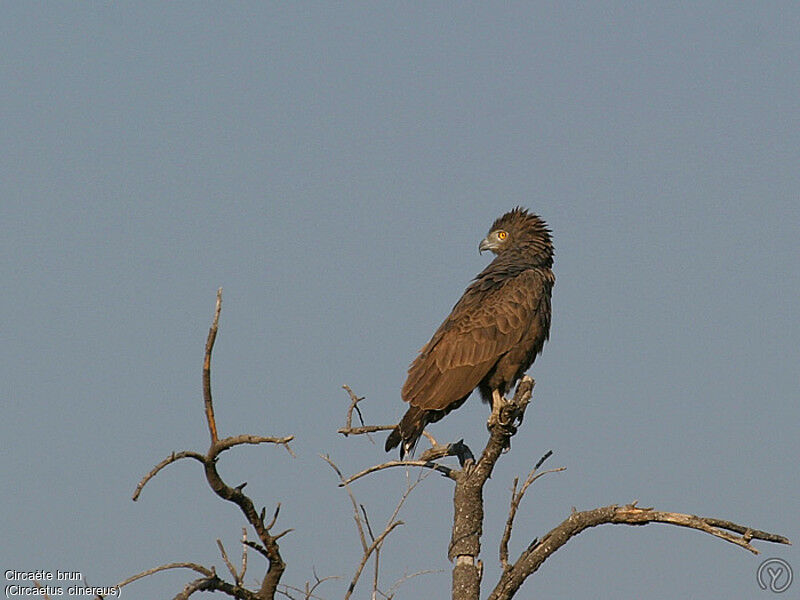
244,554
269,547
516,498
212,336
465,544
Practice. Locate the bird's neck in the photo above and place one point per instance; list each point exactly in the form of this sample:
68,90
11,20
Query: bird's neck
518,261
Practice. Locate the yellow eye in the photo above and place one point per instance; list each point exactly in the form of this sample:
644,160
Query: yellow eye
501,235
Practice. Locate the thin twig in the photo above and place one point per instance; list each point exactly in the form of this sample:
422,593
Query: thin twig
429,437
421,476
367,523
45,595
258,548
363,522
391,591
375,571
318,582
444,470
747,533
227,561
409,488
348,429
356,517
178,565
354,400
237,440
365,429
378,541
516,498
271,524
175,456
244,555
308,593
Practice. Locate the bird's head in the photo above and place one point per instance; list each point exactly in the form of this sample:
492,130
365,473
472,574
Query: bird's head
519,230
495,241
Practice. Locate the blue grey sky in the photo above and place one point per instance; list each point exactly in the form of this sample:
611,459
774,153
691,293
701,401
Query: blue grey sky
333,168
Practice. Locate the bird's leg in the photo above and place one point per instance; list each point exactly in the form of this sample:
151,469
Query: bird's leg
498,418
497,404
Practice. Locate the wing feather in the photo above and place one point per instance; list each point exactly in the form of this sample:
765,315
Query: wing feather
484,325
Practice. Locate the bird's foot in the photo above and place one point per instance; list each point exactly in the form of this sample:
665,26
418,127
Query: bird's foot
498,402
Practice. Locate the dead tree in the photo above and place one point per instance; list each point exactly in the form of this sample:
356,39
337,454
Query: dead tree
469,479
468,507
266,542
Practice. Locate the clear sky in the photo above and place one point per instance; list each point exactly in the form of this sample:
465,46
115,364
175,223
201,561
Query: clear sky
334,168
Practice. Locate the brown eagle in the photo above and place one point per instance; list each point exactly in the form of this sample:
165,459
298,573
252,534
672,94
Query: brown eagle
494,332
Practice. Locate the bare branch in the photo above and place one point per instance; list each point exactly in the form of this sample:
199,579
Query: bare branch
179,565
378,541
429,437
533,557
356,516
367,523
223,490
197,585
376,571
230,442
444,470
258,548
516,498
348,429
244,555
365,429
392,590
228,563
354,400
458,449
308,592
212,336
274,516
283,533
268,547
245,504
362,522
746,532
175,456
319,581
214,583
39,586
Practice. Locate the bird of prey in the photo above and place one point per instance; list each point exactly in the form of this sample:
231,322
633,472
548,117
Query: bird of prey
493,334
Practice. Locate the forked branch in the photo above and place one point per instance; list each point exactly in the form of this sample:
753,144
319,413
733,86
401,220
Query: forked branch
539,551
516,499
267,543
370,547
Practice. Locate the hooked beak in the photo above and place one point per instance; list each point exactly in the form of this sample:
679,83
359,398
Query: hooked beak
485,245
